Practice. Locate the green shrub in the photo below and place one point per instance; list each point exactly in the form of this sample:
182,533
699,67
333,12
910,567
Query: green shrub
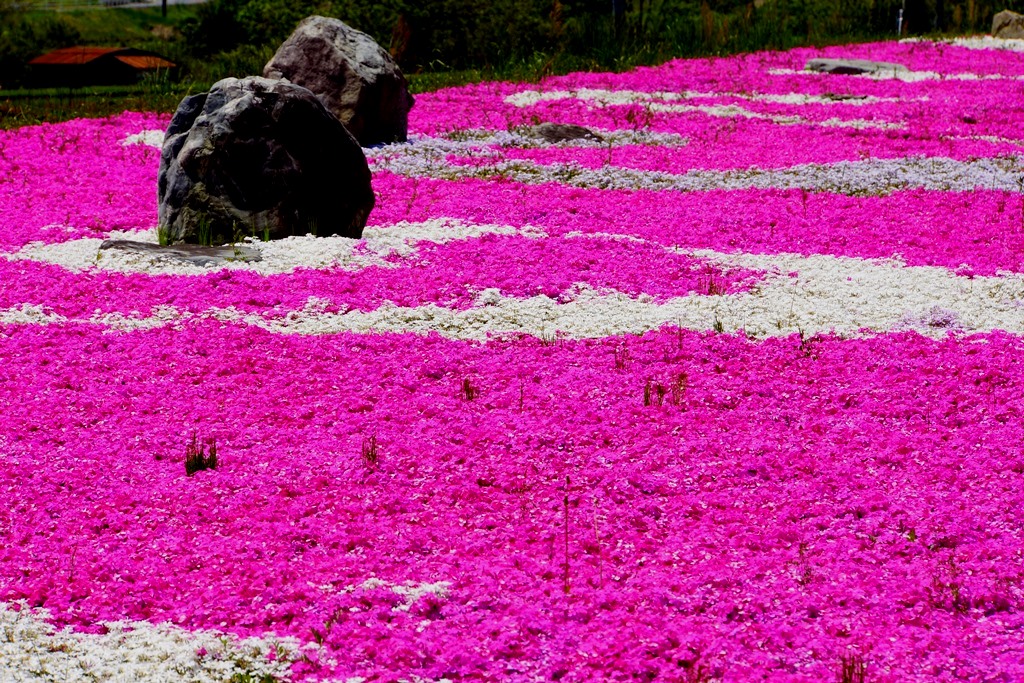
444,35
21,40
440,43
214,28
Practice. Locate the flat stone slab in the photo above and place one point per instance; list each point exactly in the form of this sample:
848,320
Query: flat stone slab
851,66
186,253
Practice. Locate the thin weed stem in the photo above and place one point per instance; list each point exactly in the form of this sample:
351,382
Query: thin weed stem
565,500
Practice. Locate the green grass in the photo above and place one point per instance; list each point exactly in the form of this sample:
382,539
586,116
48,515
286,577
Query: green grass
63,106
120,27
84,92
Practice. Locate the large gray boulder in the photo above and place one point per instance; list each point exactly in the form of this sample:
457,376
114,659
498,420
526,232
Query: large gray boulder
351,74
259,157
1007,24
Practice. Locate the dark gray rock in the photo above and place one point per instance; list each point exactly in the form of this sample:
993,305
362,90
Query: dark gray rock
561,132
186,253
351,74
260,157
851,66
1007,24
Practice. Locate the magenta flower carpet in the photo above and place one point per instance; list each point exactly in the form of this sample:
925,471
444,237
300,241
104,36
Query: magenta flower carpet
730,390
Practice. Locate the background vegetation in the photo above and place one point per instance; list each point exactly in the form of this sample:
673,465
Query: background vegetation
442,42
445,35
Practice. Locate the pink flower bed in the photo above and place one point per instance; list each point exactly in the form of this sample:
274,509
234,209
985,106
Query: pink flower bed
936,115
451,275
74,179
761,145
664,506
787,504
981,230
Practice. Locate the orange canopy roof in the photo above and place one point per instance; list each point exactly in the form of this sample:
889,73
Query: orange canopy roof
74,55
137,59
145,61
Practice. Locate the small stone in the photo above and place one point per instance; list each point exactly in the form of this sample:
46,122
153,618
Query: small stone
852,66
561,132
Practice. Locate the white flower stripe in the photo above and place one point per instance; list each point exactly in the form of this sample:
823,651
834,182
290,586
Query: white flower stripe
277,256
800,294
871,176
476,140
604,97
668,102
31,650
